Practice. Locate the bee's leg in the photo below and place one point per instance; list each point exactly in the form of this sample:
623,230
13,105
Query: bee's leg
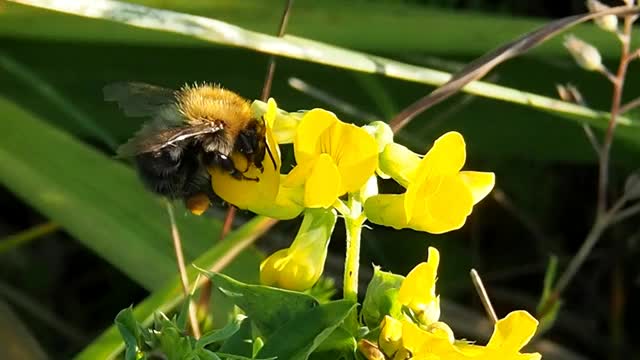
247,144
225,162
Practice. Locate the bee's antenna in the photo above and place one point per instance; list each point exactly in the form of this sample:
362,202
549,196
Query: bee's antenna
271,156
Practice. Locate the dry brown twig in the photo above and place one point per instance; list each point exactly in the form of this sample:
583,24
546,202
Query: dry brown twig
205,293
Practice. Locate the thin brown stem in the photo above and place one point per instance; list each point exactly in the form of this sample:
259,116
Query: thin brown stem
228,222
626,213
484,297
177,247
604,215
630,105
618,85
205,293
266,89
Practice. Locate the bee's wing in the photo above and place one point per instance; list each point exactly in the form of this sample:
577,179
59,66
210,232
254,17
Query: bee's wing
149,138
139,99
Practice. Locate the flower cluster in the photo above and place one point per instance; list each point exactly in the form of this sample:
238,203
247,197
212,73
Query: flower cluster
416,332
336,168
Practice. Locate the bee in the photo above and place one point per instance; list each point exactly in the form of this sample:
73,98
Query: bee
189,130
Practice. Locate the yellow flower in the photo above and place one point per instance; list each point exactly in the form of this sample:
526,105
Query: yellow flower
510,335
284,124
439,195
418,290
265,196
299,267
333,158
424,345
389,340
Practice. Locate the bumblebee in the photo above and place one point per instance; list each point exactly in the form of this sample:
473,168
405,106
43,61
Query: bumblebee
190,130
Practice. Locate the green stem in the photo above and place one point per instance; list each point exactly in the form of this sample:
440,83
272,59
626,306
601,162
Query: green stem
13,241
353,223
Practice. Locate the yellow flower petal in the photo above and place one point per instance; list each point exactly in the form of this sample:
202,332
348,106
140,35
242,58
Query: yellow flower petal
356,157
299,174
400,163
245,194
300,266
390,335
480,183
442,204
423,344
282,123
445,158
352,150
323,185
386,209
288,203
312,130
513,332
270,114
418,290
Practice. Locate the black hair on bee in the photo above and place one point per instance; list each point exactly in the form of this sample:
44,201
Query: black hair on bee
189,130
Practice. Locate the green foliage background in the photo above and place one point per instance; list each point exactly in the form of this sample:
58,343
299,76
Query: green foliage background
57,138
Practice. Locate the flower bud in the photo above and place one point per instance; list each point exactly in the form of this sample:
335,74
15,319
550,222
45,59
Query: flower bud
441,329
587,56
382,132
399,162
390,338
369,350
607,22
299,267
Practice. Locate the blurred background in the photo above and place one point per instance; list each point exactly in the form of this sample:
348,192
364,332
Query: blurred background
80,239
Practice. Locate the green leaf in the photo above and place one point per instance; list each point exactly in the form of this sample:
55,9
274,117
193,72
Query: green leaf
130,331
258,344
221,334
205,354
173,343
380,299
267,307
339,345
549,314
241,343
398,23
164,299
298,338
183,315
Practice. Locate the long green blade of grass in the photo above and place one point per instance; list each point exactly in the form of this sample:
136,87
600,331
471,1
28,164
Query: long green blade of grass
219,32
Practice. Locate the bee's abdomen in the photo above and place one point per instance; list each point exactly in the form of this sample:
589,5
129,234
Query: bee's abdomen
176,174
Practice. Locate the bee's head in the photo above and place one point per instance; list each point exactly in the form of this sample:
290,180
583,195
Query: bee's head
251,142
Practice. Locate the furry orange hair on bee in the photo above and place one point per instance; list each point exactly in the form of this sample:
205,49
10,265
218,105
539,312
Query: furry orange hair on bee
190,129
